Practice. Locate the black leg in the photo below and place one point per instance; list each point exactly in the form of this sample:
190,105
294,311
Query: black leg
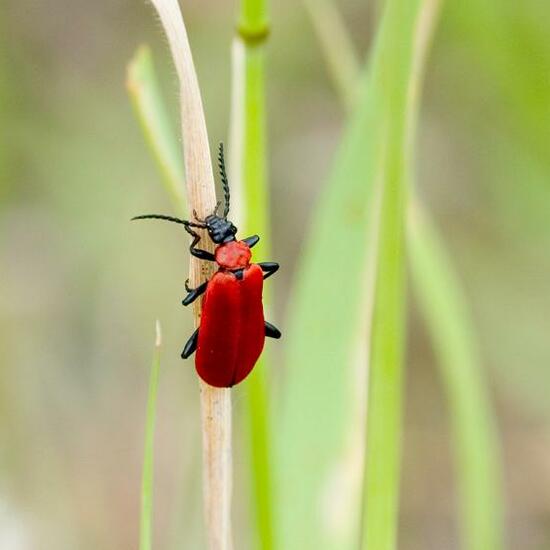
202,254
194,293
251,241
191,345
269,268
272,331
198,252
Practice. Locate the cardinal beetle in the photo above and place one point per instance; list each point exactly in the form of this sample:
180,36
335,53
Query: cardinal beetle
232,332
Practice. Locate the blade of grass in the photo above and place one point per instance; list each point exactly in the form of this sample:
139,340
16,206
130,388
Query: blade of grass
8,108
322,334
441,300
338,49
475,440
473,423
384,417
146,521
249,176
144,91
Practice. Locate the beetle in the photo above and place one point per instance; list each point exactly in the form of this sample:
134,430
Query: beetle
232,330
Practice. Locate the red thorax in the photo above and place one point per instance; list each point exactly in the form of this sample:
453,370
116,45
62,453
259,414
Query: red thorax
233,255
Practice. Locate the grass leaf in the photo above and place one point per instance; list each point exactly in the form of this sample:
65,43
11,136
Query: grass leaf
323,334
398,78
476,447
146,519
441,300
144,91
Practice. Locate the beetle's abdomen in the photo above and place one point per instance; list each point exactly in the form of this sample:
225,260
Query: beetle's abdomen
233,255
232,329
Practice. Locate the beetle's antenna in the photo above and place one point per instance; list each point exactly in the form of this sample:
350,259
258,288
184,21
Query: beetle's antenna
216,209
225,183
168,219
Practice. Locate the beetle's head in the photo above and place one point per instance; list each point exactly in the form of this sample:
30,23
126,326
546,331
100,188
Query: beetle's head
219,229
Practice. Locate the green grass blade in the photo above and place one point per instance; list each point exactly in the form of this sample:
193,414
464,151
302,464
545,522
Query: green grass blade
146,519
249,175
338,50
144,91
441,300
323,334
385,402
476,447
8,110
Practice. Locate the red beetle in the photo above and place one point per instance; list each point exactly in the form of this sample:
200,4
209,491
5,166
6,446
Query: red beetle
232,331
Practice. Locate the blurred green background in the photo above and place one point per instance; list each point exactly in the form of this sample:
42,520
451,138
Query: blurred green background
81,287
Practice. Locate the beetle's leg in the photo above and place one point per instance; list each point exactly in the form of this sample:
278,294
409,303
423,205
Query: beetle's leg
251,241
269,268
272,331
202,254
193,293
191,345
198,252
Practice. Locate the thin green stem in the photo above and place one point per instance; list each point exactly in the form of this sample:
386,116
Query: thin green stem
146,519
249,173
255,200
253,23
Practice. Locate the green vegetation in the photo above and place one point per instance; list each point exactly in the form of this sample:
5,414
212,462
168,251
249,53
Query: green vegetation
445,308
249,174
392,156
146,520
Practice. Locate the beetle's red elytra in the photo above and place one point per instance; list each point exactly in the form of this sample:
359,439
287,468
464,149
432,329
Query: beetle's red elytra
232,332
232,329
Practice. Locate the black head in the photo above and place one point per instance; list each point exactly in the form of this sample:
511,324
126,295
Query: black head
219,228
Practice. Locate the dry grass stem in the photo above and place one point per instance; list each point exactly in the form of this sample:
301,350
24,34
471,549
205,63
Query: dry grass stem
201,196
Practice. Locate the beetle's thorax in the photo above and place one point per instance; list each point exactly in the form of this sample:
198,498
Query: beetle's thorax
233,255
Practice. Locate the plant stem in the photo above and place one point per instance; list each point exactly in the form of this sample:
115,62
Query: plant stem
146,534
201,197
253,24
249,176
216,428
